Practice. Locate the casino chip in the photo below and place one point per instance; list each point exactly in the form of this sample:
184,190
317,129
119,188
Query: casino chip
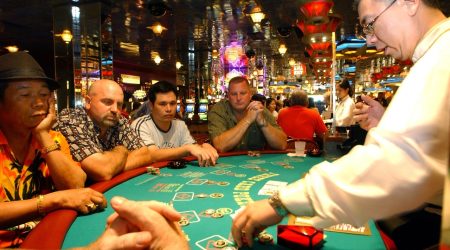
153,171
177,164
216,195
254,153
223,183
220,243
210,211
224,210
265,238
202,195
183,221
217,215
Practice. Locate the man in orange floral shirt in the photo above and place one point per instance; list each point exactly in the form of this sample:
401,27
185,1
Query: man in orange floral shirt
34,161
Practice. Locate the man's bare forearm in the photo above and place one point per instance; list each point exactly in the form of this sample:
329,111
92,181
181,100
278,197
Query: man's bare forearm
104,166
230,138
276,138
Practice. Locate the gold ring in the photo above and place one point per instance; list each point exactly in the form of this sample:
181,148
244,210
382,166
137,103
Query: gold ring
91,206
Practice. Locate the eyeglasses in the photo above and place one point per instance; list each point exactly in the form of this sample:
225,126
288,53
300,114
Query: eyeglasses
368,29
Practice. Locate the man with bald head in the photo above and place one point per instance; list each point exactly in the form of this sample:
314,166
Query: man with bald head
99,137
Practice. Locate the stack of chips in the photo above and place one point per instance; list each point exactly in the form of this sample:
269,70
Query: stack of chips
153,171
254,153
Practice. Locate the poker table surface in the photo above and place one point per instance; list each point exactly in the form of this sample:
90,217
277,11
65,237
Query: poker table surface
234,181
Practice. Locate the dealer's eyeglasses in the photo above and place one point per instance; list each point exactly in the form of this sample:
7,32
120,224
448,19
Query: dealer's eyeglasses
368,29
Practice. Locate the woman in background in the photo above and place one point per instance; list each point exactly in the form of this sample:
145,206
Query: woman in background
271,105
345,107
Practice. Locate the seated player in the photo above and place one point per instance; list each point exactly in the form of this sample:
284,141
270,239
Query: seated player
34,160
300,122
167,138
241,124
99,137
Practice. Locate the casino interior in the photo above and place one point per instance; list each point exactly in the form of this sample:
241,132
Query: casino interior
199,46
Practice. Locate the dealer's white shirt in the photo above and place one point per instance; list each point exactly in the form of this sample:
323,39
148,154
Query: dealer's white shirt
404,159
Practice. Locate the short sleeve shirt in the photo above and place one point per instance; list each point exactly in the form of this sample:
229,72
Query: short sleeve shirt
24,181
83,135
221,119
177,135
300,122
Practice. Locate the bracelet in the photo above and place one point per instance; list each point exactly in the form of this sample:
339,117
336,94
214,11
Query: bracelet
51,148
247,122
39,206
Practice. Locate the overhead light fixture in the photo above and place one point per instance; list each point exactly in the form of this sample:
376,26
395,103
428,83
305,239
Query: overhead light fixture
282,49
215,54
66,36
178,65
158,59
157,28
12,48
139,94
257,15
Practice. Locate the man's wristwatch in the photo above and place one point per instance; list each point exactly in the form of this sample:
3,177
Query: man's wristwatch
275,202
51,148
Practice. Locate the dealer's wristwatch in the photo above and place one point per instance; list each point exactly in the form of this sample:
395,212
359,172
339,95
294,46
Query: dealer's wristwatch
275,202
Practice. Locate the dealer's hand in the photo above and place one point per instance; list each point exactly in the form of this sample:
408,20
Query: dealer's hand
368,115
252,220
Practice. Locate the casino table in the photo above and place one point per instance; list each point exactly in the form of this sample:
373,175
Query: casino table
233,182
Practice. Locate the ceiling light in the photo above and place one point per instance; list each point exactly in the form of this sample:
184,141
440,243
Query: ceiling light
157,59
178,65
66,36
139,94
282,49
12,48
215,54
257,15
157,28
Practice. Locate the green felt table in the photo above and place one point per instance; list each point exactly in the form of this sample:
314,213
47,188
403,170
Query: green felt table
242,177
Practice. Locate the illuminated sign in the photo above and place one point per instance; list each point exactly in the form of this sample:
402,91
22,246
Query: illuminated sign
130,79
